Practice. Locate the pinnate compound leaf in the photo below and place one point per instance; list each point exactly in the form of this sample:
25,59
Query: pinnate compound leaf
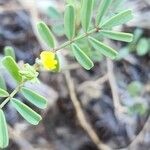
104,49
82,58
120,36
104,5
12,67
26,112
4,139
3,93
34,98
86,13
45,34
69,21
118,19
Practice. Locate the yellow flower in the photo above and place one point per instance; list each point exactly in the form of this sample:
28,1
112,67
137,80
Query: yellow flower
48,60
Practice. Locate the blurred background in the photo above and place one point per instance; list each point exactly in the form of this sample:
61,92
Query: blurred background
115,95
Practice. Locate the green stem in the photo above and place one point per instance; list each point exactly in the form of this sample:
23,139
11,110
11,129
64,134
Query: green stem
76,39
16,90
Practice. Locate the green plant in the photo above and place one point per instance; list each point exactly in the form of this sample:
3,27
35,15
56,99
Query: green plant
140,45
49,60
138,105
135,88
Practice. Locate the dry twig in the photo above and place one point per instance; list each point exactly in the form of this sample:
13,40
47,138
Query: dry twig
17,138
96,82
141,134
80,115
138,139
113,85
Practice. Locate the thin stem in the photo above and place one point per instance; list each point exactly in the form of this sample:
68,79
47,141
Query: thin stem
76,39
81,116
119,109
14,92
17,89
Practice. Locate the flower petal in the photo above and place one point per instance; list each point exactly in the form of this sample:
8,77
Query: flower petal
48,60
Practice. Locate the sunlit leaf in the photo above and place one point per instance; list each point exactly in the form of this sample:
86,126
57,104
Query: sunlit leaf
120,36
86,13
118,19
34,98
102,10
104,49
45,34
4,139
69,21
26,112
82,58
3,93
12,67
